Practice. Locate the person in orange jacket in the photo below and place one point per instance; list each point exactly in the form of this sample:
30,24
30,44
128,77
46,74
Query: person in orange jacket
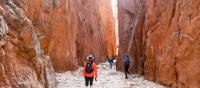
90,71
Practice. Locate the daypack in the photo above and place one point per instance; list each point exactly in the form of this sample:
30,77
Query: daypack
89,68
126,60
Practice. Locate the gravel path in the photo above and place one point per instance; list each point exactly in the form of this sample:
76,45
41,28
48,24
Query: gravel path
107,78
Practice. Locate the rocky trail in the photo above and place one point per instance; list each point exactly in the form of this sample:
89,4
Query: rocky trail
107,78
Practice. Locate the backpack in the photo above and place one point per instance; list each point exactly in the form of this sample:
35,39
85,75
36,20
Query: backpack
126,60
89,68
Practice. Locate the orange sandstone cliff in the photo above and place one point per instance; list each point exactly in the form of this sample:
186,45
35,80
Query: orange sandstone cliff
40,36
162,40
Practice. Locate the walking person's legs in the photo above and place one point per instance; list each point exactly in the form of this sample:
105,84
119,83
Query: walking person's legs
91,81
126,74
126,67
87,79
111,65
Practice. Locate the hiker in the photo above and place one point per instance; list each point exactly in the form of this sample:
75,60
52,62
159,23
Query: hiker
126,65
90,71
110,60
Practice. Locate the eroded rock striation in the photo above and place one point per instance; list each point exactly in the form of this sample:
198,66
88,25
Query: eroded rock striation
96,30
169,41
172,43
89,36
107,24
23,64
70,30
131,16
40,36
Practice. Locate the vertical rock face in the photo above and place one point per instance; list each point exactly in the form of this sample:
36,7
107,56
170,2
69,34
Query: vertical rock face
96,31
57,23
54,21
73,29
22,62
131,16
69,30
34,31
60,34
173,42
89,36
171,39
107,24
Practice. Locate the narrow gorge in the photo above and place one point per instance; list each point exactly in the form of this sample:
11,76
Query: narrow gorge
43,41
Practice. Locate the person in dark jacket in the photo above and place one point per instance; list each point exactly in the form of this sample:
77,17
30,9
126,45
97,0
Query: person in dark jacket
110,60
126,65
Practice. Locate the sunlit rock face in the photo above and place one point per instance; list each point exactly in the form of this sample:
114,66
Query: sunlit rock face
70,30
73,29
166,35
96,30
56,22
89,36
23,64
172,41
107,24
34,31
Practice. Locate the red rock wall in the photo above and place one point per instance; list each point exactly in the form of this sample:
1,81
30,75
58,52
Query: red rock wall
70,30
60,36
57,22
54,20
89,36
170,36
107,24
125,31
131,16
96,31
172,42
34,31
22,61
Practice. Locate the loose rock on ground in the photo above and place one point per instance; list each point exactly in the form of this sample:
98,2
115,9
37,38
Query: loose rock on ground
107,78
